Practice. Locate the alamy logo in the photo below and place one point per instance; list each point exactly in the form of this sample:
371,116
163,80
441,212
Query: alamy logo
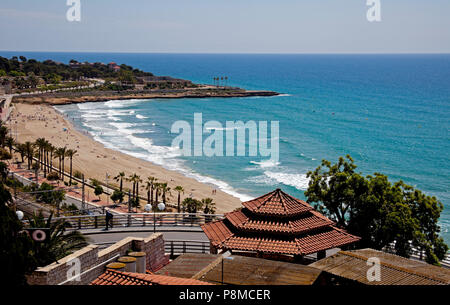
74,12
374,12
74,271
256,142
374,272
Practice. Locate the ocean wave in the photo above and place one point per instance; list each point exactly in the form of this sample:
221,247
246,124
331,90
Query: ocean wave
282,95
166,157
162,152
118,112
141,117
122,103
94,127
92,116
299,181
128,128
88,106
266,163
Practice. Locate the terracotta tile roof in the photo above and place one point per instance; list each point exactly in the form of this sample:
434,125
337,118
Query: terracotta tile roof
395,270
217,232
277,203
277,223
114,277
243,270
313,220
331,238
266,245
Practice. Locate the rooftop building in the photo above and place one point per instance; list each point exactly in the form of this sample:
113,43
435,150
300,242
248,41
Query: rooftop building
351,267
114,277
277,225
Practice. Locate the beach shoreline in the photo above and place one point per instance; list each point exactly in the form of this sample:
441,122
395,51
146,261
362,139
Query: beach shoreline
33,121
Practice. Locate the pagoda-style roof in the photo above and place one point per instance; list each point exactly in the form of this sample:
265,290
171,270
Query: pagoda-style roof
277,203
277,223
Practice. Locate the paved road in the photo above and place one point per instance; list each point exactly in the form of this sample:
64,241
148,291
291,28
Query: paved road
99,236
115,237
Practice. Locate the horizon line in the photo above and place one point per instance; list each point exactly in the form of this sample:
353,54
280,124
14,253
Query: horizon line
239,53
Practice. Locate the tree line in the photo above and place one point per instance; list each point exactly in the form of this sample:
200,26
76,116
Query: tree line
377,210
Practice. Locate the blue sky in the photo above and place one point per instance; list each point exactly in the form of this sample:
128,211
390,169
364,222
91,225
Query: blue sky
231,26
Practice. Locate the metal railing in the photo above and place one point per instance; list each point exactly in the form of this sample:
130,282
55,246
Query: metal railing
420,255
176,247
88,222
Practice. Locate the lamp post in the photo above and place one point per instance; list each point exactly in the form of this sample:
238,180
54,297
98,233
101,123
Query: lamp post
19,215
107,193
224,258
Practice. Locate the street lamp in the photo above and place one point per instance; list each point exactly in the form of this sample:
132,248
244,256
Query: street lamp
148,207
19,215
224,258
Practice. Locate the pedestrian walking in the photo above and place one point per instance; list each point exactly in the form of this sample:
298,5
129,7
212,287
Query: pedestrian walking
108,218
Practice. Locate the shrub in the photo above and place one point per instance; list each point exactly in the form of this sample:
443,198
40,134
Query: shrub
98,190
52,176
78,174
191,205
4,154
117,196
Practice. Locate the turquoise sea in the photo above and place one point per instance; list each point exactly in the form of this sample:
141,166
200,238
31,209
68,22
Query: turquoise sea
391,113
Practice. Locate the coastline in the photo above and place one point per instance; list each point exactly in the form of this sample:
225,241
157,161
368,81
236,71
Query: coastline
65,98
95,160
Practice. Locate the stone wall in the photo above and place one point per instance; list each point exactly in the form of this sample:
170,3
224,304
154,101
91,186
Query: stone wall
93,262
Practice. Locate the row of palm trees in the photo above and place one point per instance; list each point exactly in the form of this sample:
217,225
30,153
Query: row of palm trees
217,80
45,152
154,189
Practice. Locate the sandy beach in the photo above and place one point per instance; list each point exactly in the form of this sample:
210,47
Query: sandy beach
94,160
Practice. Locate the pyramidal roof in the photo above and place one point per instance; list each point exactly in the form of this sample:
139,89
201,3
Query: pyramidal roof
277,223
277,203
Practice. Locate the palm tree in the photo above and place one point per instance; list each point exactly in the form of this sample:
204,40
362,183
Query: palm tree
3,135
120,178
70,153
165,191
59,243
46,146
58,154
150,187
40,144
179,189
9,141
4,170
22,150
157,187
135,179
63,157
29,149
51,149
136,200
209,206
